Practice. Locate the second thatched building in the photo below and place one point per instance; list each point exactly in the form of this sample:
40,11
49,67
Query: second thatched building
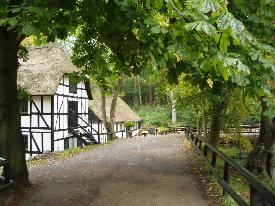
123,113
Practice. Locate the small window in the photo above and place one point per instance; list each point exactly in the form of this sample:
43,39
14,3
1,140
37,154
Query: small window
66,144
23,107
26,141
72,87
79,143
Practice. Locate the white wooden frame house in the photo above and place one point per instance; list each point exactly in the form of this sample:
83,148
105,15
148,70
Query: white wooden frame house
123,113
56,118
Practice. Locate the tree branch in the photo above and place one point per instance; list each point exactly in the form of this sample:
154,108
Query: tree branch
177,10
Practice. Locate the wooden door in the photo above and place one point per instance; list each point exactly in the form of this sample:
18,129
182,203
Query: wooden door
72,114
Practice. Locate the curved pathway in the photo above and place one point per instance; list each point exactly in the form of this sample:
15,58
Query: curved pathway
144,171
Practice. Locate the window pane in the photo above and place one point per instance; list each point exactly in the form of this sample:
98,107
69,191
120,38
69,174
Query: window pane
23,106
26,143
66,143
72,87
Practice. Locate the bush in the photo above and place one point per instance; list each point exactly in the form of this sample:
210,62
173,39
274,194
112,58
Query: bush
128,124
163,130
242,143
158,116
237,141
155,116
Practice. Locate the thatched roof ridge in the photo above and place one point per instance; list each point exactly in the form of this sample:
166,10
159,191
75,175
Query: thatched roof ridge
42,72
123,110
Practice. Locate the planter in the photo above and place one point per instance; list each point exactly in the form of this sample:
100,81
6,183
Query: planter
129,134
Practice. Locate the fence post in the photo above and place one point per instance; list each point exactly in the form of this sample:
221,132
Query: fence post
200,144
193,137
255,198
214,158
226,174
205,150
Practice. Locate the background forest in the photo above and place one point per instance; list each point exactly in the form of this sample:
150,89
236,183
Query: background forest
150,96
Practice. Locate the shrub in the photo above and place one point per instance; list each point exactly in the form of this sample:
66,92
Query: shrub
242,142
163,130
128,124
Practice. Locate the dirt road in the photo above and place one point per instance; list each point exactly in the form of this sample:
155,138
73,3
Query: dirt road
144,171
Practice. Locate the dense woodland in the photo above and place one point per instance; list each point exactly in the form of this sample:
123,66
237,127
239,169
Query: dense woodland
152,99
211,62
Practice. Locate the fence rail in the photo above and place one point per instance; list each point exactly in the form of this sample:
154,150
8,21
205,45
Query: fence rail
260,195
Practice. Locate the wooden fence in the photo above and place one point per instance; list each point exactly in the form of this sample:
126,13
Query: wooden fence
260,195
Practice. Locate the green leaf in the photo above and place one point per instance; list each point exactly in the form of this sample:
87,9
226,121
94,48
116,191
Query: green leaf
225,74
28,29
191,26
16,10
173,47
217,37
158,4
161,62
156,29
228,21
224,42
150,21
205,6
12,21
255,55
201,26
3,22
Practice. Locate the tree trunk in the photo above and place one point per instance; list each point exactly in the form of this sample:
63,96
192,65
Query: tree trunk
273,156
204,120
219,106
260,158
109,124
135,96
139,91
106,123
199,126
150,94
11,141
174,112
116,91
215,128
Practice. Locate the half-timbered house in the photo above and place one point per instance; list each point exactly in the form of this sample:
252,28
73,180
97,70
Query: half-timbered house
123,113
56,117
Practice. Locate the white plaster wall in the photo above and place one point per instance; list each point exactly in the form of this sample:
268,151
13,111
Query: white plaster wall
118,127
60,120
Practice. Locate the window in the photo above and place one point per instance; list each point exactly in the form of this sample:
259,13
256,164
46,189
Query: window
23,107
26,141
72,87
79,142
66,143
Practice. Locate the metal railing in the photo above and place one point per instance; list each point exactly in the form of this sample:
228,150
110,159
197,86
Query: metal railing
260,195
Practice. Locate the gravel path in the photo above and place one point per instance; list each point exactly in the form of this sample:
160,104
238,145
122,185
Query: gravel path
144,171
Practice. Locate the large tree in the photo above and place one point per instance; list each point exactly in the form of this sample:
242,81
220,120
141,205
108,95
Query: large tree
18,20
258,17
199,38
107,48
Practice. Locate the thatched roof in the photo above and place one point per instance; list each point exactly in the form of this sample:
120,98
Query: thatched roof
44,69
123,111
